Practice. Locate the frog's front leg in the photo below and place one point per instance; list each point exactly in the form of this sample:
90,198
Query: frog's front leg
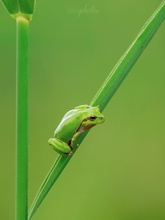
60,146
77,134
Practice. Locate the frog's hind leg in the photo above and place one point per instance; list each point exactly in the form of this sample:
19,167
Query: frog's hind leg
60,146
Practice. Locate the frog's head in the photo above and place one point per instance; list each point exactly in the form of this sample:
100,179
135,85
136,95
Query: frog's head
91,117
95,116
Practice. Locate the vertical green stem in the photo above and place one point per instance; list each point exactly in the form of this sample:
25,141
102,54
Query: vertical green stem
22,119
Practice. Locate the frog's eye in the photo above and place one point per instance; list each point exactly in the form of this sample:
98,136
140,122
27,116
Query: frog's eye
92,117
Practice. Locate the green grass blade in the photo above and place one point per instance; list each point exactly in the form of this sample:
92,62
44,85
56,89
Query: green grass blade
22,119
129,58
105,93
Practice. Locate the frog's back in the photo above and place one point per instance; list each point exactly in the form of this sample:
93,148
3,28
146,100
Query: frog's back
68,126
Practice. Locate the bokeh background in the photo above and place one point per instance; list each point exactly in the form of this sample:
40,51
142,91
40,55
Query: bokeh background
118,172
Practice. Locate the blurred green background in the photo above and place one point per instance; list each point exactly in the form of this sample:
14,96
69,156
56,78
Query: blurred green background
118,172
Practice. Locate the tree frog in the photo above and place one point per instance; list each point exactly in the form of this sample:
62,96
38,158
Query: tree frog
72,125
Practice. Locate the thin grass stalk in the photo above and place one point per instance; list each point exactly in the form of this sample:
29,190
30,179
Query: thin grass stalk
22,118
129,58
